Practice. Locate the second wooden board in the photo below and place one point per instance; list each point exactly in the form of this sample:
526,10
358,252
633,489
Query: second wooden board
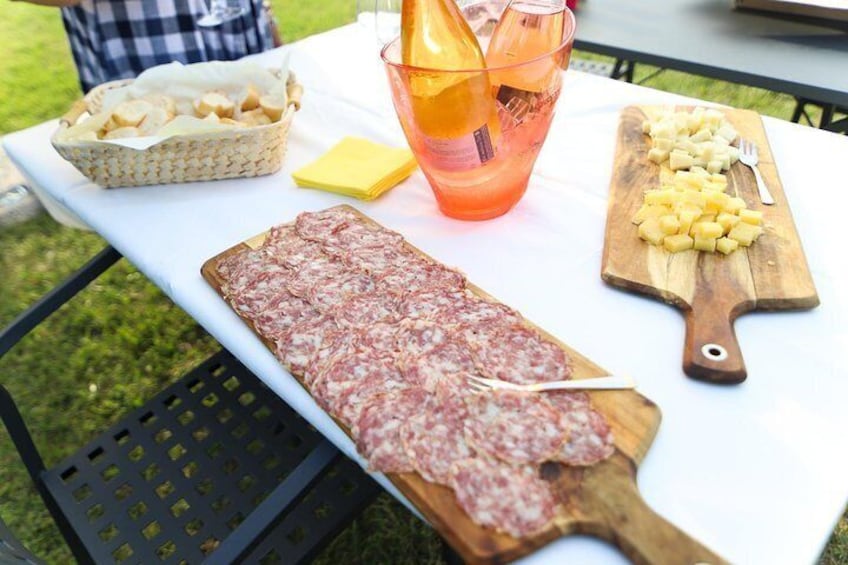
711,289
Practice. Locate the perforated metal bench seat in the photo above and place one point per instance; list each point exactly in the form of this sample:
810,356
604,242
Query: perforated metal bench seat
176,477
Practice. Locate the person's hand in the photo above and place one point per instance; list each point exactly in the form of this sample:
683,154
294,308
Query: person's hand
54,3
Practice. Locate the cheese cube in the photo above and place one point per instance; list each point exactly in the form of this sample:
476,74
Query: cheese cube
664,144
715,201
726,246
687,218
669,224
657,155
734,204
695,197
705,244
753,217
686,145
707,230
650,211
678,161
650,231
676,243
703,134
727,221
727,132
715,166
745,233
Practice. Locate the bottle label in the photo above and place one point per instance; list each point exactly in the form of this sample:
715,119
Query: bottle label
461,153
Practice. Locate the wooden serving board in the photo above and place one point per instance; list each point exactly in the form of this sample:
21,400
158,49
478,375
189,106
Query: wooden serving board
711,289
601,500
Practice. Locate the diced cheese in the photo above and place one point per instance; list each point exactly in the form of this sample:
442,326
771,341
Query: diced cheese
726,245
669,224
705,244
677,243
650,231
745,233
708,230
754,217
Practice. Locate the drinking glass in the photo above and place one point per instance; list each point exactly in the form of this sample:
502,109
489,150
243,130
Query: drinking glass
382,17
221,11
479,189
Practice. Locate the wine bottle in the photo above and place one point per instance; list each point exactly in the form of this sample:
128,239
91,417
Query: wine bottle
454,108
527,29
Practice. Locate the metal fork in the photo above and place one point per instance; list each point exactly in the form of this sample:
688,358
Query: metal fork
600,383
749,156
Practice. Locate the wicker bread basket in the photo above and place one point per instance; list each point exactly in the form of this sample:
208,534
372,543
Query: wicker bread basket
240,152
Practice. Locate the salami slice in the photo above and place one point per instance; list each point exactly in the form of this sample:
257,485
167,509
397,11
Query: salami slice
320,226
474,311
355,237
278,316
380,338
511,499
416,337
448,362
287,247
363,310
347,384
434,439
515,427
378,261
309,274
431,305
240,269
336,344
518,354
298,346
421,276
377,430
590,439
251,300
331,291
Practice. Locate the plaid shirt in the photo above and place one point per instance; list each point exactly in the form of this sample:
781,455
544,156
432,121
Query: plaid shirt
115,39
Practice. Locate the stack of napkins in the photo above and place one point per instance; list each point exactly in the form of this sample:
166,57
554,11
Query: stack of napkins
357,167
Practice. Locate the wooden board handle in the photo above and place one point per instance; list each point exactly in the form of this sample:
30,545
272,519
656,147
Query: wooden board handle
610,507
712,351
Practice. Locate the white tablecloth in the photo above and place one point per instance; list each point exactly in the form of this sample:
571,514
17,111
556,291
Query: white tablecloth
758,472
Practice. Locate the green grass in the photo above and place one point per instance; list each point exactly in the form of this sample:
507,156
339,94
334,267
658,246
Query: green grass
121,340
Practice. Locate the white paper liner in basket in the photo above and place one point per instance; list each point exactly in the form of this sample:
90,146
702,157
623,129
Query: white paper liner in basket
221,154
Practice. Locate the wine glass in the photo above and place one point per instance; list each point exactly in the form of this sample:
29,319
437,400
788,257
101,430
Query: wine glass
221,11
381,17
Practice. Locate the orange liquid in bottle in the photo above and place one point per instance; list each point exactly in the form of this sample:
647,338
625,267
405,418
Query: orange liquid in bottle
527,29
455,114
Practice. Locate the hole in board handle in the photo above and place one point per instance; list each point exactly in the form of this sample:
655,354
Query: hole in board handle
714,352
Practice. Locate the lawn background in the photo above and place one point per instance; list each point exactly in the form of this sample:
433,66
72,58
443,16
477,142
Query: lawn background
121,340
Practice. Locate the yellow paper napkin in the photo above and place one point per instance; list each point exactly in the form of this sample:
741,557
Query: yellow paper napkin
357,167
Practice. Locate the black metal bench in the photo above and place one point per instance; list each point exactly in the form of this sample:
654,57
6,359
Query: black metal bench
215,468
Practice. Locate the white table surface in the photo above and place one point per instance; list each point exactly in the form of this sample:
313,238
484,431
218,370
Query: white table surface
758,472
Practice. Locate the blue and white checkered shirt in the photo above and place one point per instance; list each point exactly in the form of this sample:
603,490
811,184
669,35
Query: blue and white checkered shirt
115,39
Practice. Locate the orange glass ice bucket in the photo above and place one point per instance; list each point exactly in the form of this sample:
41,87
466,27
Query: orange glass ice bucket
480,178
